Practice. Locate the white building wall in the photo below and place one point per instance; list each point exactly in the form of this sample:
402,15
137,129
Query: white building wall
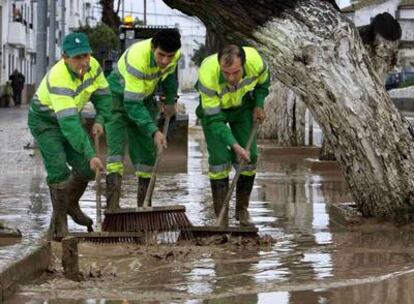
364,15
187,72
406,13
407,27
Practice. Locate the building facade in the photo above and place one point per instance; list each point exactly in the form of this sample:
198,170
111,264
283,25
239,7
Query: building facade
363,11
18,22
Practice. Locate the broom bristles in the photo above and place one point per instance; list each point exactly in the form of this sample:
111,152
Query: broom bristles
107,237
161,219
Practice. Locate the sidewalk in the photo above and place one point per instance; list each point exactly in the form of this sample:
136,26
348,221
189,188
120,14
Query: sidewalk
24,202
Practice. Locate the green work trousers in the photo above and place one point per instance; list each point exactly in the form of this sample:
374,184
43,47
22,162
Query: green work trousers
122,130
221,156
56,151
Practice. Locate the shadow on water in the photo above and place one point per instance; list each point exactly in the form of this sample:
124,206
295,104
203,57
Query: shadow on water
313,260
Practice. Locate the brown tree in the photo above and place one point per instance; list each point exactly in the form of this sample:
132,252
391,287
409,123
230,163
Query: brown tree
285,117
314,50
110,14
381,39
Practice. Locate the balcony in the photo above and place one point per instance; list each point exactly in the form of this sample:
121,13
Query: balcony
17,34
31,41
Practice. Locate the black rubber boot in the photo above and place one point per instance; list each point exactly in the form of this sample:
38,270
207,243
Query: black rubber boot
143,184
219,189
243,191
76,188
58,227
113,191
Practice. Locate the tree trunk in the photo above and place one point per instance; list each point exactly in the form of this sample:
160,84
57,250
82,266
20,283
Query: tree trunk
383,52
311,48
109,15
285,117
326,152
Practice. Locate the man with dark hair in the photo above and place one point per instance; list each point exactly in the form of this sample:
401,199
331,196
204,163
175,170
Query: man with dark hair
54,121
233,85
17,82
143,67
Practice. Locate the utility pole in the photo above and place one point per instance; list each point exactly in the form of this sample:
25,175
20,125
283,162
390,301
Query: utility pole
52,33
145,12
63,18
41,37
123,10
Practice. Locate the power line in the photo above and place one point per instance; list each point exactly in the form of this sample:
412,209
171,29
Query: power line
99,8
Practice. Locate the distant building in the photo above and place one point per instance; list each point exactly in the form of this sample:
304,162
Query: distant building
18,21
363,11
187,70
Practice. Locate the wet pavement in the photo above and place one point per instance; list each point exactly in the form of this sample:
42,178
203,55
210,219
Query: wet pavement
312,261
24,200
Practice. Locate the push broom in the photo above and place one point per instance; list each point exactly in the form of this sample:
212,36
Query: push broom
221,228
148,218
105,236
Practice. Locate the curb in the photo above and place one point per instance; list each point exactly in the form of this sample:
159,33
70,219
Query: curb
28,267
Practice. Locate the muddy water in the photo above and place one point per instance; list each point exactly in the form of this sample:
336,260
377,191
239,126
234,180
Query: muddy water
313,260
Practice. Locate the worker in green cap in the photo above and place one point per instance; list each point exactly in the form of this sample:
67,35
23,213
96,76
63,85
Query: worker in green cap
55,123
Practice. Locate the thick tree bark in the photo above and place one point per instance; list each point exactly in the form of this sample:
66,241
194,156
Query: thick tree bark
381,39
285,117
311,48
326,152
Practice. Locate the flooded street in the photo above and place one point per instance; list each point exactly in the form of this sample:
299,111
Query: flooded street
312,261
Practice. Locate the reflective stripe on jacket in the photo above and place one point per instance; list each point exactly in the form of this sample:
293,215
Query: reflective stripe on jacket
216,95
139,72
65,94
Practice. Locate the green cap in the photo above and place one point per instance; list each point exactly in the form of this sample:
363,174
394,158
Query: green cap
76,44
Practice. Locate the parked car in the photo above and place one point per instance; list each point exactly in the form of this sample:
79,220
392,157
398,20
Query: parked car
397,79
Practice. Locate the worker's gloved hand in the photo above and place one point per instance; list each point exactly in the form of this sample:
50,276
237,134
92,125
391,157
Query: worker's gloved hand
160,141
95,163
97,129
169,109
242,154
259,115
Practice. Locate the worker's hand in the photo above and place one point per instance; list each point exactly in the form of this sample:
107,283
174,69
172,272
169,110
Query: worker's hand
160,141
259,115
95,163
242,154
169,109
97,129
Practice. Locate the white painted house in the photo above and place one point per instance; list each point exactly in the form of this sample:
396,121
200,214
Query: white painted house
18,28
361,13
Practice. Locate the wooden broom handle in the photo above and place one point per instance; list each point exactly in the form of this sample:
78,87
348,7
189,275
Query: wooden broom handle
98,188
151,185
236,176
